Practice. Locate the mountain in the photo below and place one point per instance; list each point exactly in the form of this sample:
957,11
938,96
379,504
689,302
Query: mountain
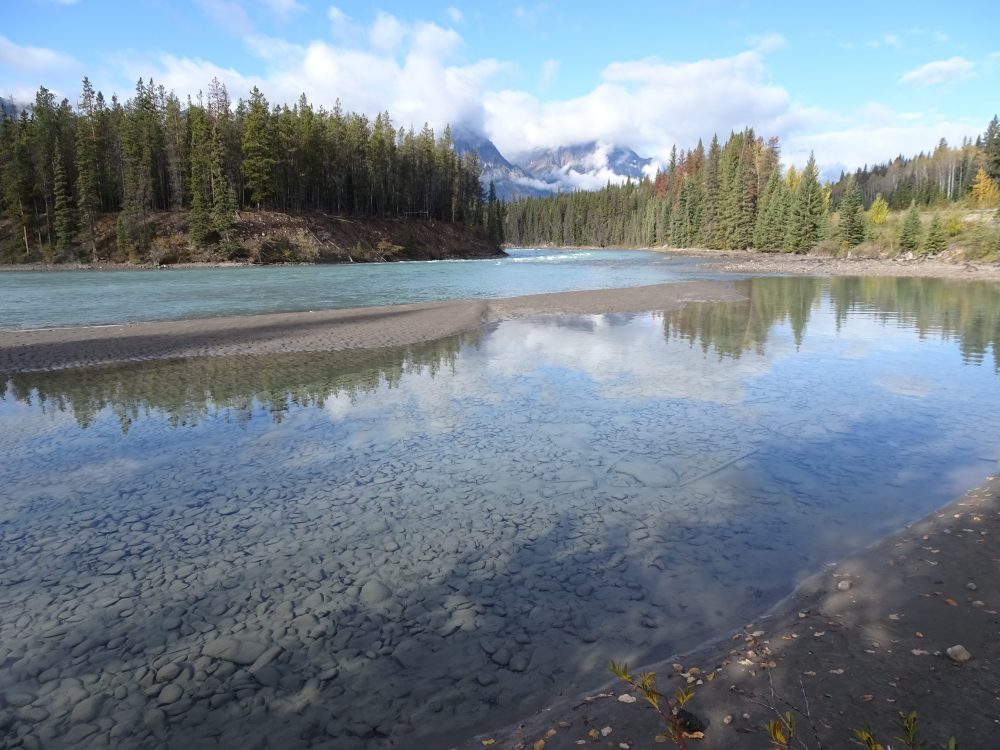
586,166
509,180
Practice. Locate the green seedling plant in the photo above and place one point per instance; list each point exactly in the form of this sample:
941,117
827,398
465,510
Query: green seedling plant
670,709
910,735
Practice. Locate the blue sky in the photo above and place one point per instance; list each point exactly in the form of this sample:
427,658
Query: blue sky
856,82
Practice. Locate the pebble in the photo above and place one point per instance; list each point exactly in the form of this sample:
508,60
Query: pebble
78,733
971,586
374,592
168,672
19,698
87,710
170,694
240,651
844,585
959,654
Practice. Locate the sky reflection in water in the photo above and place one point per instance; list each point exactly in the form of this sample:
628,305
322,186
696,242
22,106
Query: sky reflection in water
463,529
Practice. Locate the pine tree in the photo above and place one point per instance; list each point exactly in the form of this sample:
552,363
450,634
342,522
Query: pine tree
258,158
807,216
852,217
936,240
769,232
909,233
16,174
710,211
87,170
878,214
65,222
200,219
223,213
991,148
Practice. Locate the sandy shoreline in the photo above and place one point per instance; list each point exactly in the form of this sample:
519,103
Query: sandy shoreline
859,655
325,330
818,265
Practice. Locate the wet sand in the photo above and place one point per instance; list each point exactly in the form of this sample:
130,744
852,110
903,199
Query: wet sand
854,645
325,330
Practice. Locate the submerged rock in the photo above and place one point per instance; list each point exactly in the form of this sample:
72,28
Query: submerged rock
236,650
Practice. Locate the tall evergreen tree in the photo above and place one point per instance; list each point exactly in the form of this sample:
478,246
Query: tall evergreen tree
258,148
200,218
87,170
65,222
807,216
991,148
852,217
772,220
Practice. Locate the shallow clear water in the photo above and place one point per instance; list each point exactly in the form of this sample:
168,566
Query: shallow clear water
430,542
36,299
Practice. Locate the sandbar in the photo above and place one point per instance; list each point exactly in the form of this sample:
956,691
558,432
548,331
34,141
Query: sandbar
323,330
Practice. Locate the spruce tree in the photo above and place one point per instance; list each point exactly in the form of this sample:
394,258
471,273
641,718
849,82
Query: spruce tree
769,231
65,223
909,233
223,213
87,171
852,217
807,216
710,211
936,240
200,219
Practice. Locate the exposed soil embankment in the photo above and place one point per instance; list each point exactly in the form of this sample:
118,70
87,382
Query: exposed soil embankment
264,237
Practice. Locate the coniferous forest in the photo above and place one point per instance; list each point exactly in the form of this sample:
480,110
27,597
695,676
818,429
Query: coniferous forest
65,170
736,196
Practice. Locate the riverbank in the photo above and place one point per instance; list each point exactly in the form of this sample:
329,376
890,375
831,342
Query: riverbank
823,265
852,646
324,330
262,238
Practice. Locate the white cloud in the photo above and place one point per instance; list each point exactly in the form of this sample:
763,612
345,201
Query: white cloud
387,33
939,72
228,14
550,68
406,70
455,14
336,15
649,105
851,146
30,59
283,9
768,42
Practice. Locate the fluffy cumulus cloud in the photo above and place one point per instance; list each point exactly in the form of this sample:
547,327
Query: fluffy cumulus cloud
28,59
411,69
650,105
939,72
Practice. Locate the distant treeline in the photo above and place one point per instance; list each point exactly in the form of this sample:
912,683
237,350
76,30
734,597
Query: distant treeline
736,196
62,166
